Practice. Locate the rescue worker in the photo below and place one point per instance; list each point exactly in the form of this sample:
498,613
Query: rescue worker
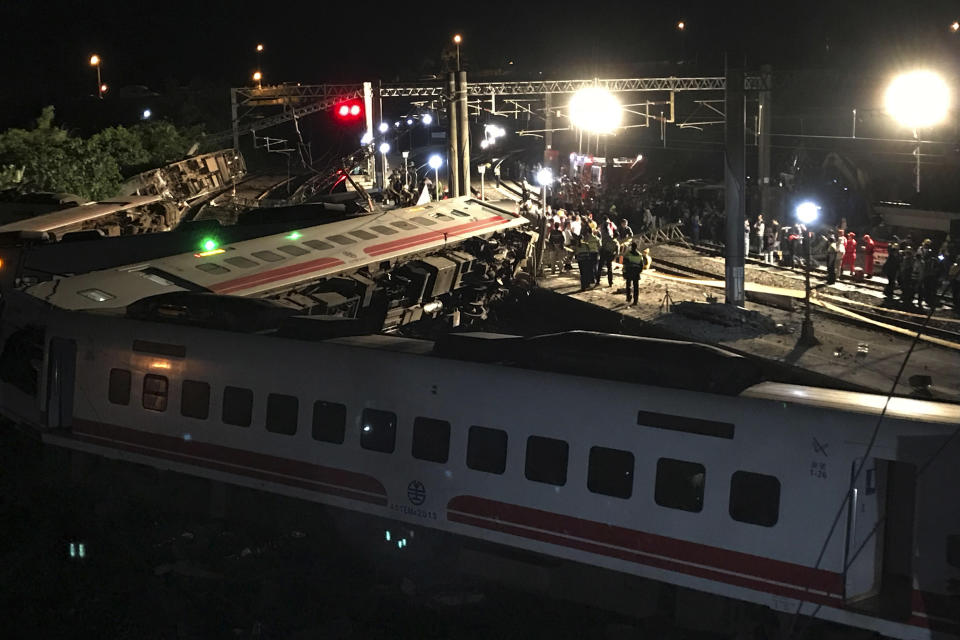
624,232
633,264
869,246
891,270
849,254
587,250
909,269
841,245
647,260
555,242
609,249
831,258
930,279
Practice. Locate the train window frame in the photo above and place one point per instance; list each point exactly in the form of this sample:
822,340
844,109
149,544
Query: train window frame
428,434
242,262
606,473
686,424
293,250
318,245
362,234
232,394
213,268
758,504
283,414
403,225
342,240
195,406
423,221
119,395
156,392
441,216
330,430
674,481
378,430
462,214
267,256
480,442
546,460
383,229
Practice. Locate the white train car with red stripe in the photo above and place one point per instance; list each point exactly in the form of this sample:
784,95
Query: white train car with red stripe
671,463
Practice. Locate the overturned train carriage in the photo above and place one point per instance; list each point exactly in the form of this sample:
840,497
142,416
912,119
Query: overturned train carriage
448,259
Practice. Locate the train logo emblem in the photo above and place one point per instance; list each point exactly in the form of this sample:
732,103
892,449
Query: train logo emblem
416,493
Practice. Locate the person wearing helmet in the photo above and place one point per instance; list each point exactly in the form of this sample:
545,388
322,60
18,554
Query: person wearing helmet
869,246
849,253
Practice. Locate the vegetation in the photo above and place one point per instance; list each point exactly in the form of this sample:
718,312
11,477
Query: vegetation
49,158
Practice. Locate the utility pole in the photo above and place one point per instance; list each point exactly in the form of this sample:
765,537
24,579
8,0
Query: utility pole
548,134
453,139
765,118
234,121
734,174
464,131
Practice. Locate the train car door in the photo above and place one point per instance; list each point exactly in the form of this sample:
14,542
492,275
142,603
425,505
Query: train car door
879,554
61,376
865,510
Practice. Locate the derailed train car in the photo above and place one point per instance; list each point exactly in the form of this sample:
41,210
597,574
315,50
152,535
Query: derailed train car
674,464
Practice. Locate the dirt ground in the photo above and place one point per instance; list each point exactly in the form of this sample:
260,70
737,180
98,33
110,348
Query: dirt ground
866,357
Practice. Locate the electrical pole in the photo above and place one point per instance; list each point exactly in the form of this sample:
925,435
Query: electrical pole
463,115
453,139
734,174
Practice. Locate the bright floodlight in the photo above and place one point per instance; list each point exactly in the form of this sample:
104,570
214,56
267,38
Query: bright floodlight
257,76
367,138
918,99
427,118
146,114
94,60
383,127
545,177
384,147
457,39
484,143
409,120
595,110
807,212
435,161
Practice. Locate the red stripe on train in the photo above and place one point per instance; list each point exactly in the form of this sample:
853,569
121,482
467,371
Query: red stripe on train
648,543
279,273
423,238
240,461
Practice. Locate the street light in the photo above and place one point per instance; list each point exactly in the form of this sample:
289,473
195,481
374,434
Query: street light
383,127
955,26
427,119
596,110
435,161
146,114
259,48
916,100
457,40
257,77
807,214
483,170
103,89
384,150
95,62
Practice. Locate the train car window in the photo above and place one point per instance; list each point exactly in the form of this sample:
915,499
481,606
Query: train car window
243,263
384,230
378,430
119,390
97,295
237,406
754,498
402,224
212,267
155,392
363,235
195,399
610,472
293,250
460,213
442,216
282,413
424,221
329,421
688,425
546,460
679,484
340,239
319,245
431,439
267,256
487,449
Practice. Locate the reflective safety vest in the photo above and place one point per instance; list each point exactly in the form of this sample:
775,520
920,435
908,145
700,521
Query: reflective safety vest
593,245
610,245
633,261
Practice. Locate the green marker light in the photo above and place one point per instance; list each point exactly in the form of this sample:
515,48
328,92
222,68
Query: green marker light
296,235
208,244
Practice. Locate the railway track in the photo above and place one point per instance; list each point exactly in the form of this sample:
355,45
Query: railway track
846,311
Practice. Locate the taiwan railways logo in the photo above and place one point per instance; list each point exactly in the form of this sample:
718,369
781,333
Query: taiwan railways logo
416,493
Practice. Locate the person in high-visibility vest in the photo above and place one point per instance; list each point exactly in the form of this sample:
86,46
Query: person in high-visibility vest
587,251
609,249
633,264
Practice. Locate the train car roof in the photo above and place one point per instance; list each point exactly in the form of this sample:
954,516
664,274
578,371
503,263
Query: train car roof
76,215
872,404
258,266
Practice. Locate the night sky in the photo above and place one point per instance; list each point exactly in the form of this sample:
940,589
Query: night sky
171,42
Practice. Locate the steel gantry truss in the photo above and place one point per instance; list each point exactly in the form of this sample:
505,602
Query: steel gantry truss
303,99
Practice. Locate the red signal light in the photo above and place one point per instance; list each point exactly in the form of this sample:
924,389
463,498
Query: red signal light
348,110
